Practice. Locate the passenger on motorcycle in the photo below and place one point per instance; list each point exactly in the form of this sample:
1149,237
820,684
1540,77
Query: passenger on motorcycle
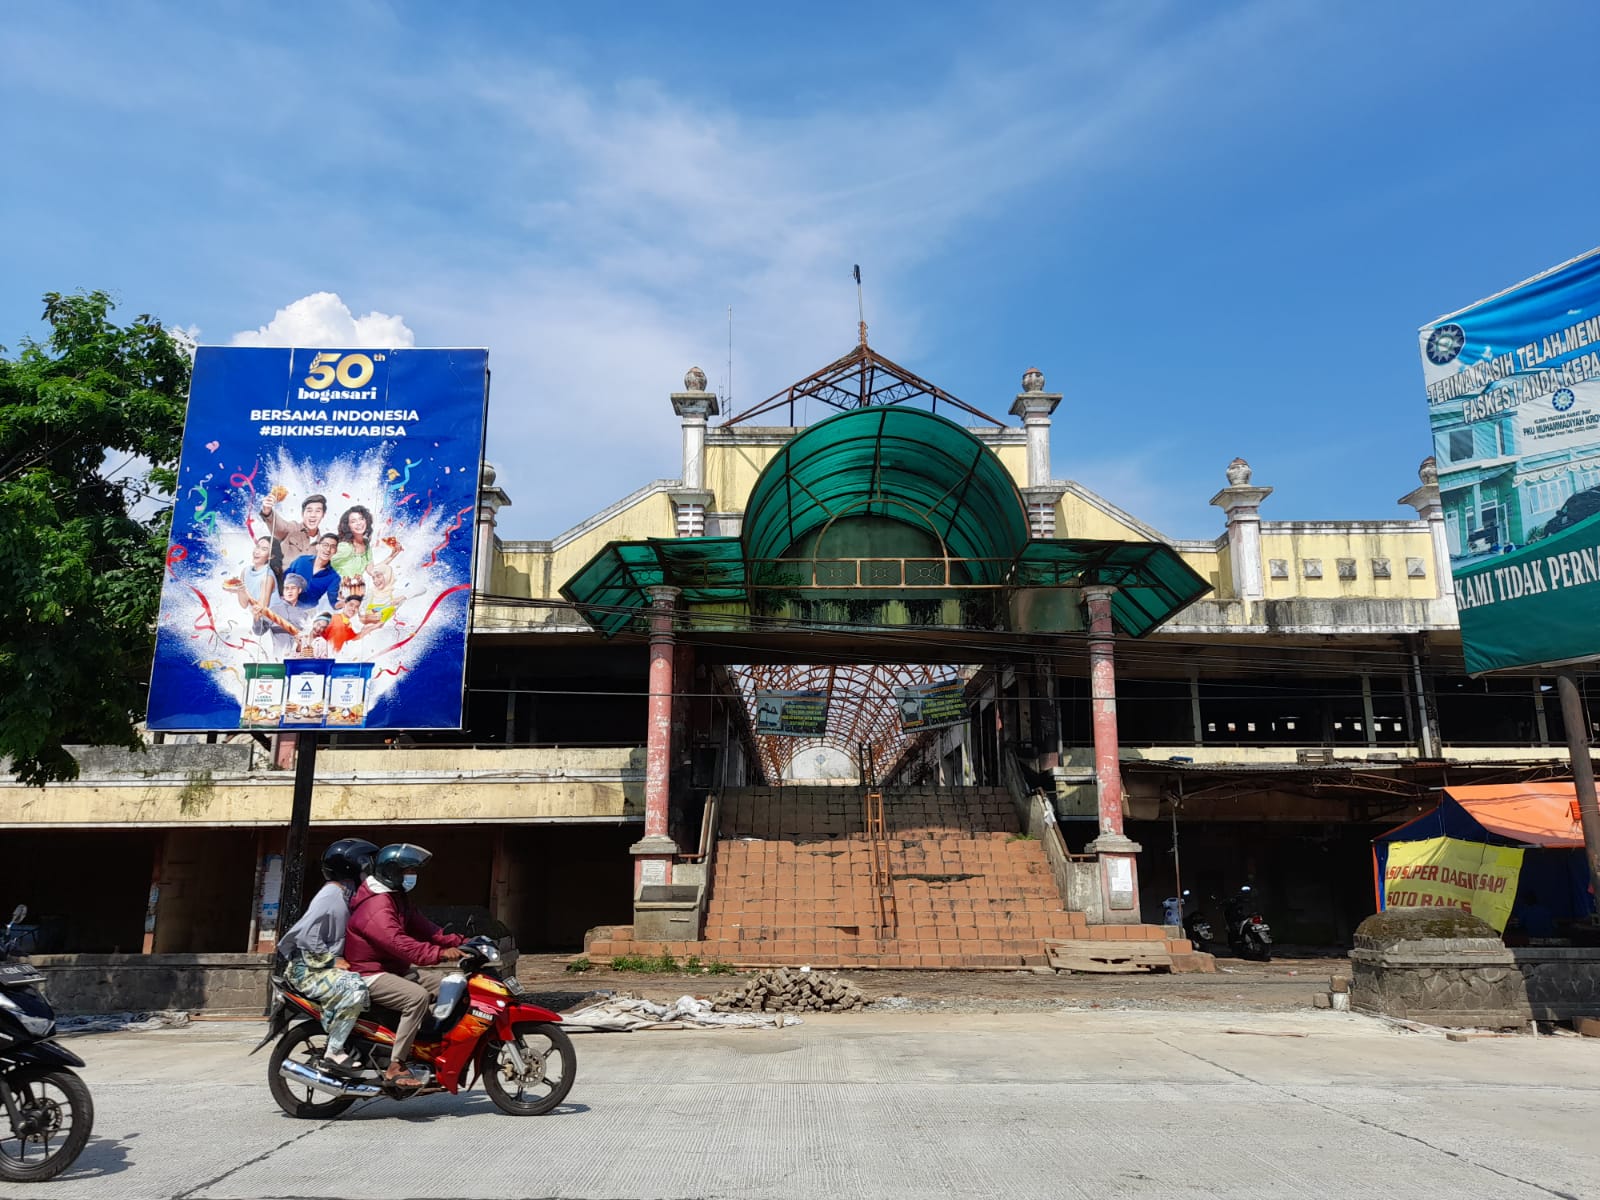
314,943
388,938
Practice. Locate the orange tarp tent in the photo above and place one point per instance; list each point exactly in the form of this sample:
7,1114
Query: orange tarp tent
1535,814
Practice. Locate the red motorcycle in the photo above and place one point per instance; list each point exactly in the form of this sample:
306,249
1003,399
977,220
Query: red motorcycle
477,1028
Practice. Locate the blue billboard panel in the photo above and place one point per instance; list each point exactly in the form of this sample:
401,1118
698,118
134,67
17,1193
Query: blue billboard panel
319,573
1513,388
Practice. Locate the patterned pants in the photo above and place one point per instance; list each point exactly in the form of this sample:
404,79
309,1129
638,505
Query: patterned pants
341,994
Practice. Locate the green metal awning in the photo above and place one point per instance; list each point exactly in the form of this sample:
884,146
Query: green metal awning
895,466
1152,581
610,590
900,463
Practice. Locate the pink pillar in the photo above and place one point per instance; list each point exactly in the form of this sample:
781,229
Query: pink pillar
1119,875
654,852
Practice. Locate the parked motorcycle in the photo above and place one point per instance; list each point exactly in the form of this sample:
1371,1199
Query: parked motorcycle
47,1108
477,1028
1197,928
1249,935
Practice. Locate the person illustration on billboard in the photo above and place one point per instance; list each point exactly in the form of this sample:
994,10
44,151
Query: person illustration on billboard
316,568
355,542
381,600
255,584
347,625
312,641
291,541
281,620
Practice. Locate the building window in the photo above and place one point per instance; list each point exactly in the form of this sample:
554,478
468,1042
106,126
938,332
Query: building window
1279,567
1380,568
1311,567
1415,569
1460,445
1347,568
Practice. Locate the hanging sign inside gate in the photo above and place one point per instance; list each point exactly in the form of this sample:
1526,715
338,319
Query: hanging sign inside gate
931,705
319,572
792,714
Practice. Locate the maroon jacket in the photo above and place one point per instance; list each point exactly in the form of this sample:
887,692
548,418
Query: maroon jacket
387,934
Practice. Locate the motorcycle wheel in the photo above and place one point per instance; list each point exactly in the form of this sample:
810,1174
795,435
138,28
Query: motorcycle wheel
61,1100
549,1067
305,1043
1256,948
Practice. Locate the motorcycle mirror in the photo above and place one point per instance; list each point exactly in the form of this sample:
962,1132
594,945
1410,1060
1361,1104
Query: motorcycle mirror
18,913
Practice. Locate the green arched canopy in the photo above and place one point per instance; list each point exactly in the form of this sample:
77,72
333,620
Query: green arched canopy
899,464
922,508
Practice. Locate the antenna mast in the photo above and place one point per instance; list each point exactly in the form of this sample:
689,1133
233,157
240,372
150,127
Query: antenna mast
730,354
861,311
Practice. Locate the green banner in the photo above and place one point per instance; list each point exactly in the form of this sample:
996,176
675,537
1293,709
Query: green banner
1537,604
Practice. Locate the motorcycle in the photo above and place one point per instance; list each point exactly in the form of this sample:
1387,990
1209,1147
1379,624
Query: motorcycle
1197,928
46,1105
1249,935
477,1028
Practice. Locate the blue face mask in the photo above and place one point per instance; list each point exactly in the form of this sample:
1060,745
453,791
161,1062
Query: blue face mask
408,882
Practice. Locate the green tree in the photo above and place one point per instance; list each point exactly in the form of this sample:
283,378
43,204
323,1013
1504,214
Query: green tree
90,423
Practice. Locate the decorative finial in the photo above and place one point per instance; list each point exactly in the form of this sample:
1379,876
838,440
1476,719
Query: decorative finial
1238,473
1428,472
694,380
1033,380
486,476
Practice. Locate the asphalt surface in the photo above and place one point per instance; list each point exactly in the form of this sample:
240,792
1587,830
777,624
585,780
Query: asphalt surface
1073,1101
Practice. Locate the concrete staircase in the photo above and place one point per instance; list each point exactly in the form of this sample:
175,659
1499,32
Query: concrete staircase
791,885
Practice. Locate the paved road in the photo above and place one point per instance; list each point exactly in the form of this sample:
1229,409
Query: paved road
1052,1104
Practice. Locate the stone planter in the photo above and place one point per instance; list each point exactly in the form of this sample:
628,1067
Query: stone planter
1442,967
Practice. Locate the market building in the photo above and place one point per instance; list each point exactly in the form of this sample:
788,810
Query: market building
1140,712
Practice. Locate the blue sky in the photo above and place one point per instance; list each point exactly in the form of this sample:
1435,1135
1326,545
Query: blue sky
1215,227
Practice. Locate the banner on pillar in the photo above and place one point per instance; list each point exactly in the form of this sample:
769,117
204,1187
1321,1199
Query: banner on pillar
792,714
931,705
1450,873
319,571
1513,387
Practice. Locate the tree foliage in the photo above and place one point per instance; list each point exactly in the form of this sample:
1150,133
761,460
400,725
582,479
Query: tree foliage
90,423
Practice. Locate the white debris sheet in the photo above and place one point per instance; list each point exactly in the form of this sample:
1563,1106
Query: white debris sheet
121,1022
627,1013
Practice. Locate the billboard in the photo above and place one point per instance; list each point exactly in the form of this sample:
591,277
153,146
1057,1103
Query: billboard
319,571
792,714
1513,387
931,705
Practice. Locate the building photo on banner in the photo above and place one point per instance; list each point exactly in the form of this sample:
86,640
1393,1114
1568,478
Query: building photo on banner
319,572
1513,386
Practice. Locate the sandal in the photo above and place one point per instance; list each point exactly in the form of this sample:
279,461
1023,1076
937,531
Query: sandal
405,1081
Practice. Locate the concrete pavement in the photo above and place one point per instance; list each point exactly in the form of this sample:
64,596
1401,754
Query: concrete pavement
1068,1103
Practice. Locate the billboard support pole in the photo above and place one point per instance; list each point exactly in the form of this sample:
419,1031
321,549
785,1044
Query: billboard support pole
1582,768
294,851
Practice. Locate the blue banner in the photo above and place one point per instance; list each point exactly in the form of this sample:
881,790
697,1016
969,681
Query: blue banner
1513,388
319,573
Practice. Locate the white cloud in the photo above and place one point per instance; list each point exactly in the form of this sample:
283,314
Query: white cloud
322,319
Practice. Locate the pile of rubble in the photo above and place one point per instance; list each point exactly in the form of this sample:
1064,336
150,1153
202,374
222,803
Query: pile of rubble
785,990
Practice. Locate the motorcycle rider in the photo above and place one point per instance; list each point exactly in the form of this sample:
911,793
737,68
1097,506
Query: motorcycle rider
388,938
314,943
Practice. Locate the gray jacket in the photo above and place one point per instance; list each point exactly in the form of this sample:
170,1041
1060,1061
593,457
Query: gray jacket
321,929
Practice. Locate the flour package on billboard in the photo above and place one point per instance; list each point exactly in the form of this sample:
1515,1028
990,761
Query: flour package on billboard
1514,403
319,572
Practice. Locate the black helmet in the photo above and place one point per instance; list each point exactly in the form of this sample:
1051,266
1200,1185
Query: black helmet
348,859
396,861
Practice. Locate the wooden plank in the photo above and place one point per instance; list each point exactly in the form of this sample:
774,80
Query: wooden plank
1106,957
